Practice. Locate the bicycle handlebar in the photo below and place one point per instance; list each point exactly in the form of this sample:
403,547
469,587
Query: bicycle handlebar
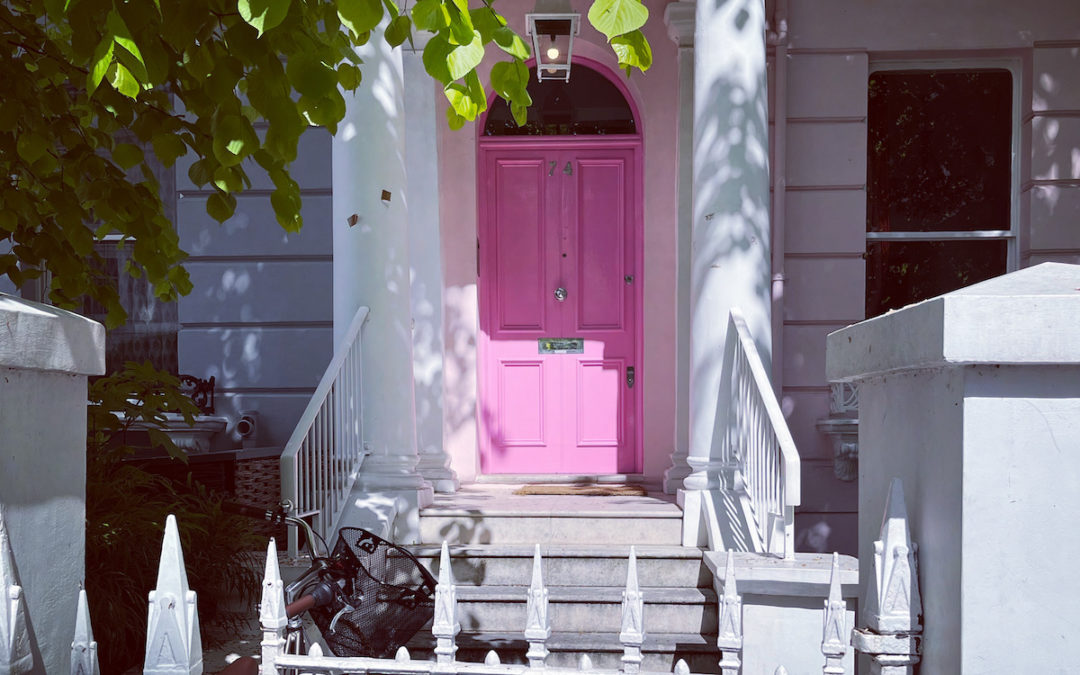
278,515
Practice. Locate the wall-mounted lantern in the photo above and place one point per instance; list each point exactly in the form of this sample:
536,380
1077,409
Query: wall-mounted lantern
553,41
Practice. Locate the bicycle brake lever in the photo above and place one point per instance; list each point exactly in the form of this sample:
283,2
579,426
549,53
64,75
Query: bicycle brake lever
333,622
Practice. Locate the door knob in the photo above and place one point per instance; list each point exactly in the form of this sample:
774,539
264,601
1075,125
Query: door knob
560,294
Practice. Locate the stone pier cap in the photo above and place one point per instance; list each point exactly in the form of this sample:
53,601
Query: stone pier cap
1027,317
34,336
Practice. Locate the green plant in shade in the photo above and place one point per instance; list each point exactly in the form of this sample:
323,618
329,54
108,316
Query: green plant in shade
126,508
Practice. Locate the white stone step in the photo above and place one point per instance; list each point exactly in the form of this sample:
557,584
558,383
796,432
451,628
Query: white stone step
587,609
493,514
661,651
570,565
460,527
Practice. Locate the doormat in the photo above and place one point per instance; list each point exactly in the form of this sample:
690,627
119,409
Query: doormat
583,489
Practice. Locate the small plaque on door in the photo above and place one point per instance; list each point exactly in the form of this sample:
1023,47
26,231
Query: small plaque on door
561,345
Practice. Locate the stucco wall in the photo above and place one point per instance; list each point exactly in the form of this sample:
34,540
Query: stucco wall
654,94
45,357
833,46
260,318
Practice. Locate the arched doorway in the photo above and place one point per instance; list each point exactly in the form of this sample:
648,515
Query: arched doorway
559,274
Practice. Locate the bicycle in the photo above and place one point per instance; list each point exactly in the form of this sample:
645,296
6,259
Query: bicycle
367,597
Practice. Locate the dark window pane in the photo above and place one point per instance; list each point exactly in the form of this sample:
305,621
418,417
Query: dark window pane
588,104
939,150
899,273
150,333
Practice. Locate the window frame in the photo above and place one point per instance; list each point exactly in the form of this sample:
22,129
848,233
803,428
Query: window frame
1010,236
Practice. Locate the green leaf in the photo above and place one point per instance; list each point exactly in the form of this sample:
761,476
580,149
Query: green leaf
511,43
221,206
286,203
454,120
199,172
436,53
633,51
310,76
100,65
430,15
168,148
617,17
123,81
360,16
234,139
262,15
465,57
349,76
464,101
127,155
30,147
399,30
487,21
229,179
510,79
461,28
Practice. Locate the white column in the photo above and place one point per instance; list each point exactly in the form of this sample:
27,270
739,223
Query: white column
371,267
679,17
425,273
730,257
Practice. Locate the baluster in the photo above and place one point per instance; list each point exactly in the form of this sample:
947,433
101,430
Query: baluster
491,659
834,637
272,616
15,653
681,668
173,642
402,655
445,626
893,604
84,658
780,670
537,628
584,663
729,633
632,635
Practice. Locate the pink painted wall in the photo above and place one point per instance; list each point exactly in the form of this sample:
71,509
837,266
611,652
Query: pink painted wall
654,94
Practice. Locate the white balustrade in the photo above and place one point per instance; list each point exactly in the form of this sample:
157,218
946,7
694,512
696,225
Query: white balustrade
729,636
892,637
84,659
322,459
16,655
834,633
757,450
173,641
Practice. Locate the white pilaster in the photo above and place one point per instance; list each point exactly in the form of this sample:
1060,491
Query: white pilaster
425,268
730,258
371,266
679,18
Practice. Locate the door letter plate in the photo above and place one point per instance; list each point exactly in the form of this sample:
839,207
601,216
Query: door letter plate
561,345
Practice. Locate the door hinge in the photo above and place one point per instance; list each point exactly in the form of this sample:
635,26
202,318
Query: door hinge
630,377
478,257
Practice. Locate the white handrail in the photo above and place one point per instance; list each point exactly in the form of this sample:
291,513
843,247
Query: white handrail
323,456
757,444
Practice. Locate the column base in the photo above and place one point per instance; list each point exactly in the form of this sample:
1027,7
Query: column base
390,514
674,476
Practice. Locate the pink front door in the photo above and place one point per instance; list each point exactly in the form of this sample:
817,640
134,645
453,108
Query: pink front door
559,306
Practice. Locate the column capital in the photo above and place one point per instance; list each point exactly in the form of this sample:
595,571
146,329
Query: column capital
679,19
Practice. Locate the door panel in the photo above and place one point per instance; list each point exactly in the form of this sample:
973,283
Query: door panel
600,259
520,258
541,230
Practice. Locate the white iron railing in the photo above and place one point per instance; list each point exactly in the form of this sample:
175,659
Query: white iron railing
758,451
323,456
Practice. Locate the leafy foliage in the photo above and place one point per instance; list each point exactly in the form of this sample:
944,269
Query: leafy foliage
94,89
125,516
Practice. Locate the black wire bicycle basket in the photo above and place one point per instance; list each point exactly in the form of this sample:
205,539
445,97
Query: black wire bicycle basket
389,596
